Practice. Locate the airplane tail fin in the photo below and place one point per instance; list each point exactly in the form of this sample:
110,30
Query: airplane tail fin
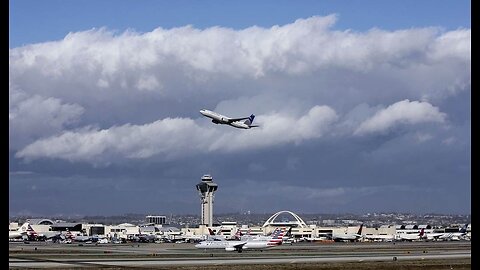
249,121
464,228
360,229
68,234
24,228
274,232
210,231
277,237
31,232
289,232
238,234
422,232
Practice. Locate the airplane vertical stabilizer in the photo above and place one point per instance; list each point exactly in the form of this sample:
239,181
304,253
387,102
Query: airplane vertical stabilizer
249,121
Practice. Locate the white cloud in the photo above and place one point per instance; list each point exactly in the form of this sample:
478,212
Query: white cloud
35,116
178,137
132,61
423,137
402,112
96,94
449,140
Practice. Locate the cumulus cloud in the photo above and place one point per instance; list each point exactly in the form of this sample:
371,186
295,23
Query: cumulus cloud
176,62
178,137
423,137
129,98
33,116
402,112
101,87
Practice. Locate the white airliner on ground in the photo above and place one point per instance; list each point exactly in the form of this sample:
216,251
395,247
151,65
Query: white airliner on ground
380,237
454,235
348,236
34,235
22,231
248,237
277,239
412,236
234,122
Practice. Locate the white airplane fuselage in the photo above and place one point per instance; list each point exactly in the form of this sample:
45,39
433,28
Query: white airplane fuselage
380,237
20,232
412,236
235,245
216,117
15,234
346,237
219,244
222,119
275,240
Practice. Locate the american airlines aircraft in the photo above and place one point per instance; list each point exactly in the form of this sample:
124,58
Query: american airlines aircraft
239,246
33,235
22,231
234,122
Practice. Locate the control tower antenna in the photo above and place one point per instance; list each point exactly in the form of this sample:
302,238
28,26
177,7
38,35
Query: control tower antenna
206,189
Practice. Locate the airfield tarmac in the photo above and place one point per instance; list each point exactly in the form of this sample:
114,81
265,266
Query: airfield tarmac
393,255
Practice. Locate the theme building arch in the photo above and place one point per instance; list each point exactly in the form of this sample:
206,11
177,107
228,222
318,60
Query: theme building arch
298,220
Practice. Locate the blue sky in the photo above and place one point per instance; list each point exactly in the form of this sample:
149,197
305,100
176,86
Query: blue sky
363,106
33,21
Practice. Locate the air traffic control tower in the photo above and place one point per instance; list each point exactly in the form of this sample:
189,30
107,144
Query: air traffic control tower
206,189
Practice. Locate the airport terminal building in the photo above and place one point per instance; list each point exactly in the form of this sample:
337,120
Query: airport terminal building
155,228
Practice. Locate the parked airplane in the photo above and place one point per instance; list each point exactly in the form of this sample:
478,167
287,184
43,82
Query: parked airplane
20,232
239,246
348,236
42,236
238,235
234,122
212,236
76,237
247,237
203,237
380,237
144,237
412,236
454,235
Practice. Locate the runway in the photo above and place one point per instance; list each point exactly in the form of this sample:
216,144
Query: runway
43,255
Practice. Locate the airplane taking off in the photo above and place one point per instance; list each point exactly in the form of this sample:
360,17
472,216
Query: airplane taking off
234,122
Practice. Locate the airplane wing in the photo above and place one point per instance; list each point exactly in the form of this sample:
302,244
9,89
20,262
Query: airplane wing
238,247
